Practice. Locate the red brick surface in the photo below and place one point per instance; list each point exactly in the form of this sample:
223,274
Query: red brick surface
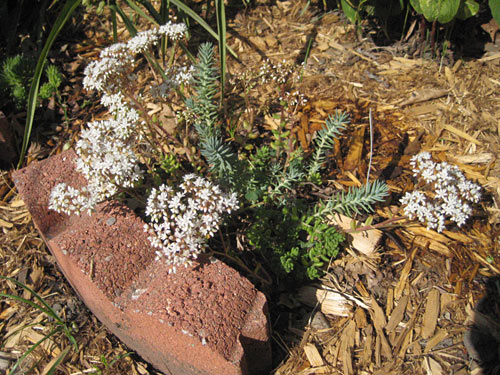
205,319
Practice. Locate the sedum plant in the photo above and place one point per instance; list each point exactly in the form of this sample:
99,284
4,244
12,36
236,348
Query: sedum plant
111,151
181,220
446,196
108,150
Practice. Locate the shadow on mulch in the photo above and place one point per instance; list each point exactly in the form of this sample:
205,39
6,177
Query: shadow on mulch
482,339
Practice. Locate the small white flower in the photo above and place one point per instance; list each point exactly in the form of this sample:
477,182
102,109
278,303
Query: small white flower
452,192
185,219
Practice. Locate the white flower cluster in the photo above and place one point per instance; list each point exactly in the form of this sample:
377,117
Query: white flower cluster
106,149
117,61
181,221
294,98
278,73
69,200
451,194
106,158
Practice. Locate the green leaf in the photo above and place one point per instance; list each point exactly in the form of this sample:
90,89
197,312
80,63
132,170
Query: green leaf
66,12
179,4
416,5
468,8
495,10
442,11
139,10
252,196
221,28
126,20
351,13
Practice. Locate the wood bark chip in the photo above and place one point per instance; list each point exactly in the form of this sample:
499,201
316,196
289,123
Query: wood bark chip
431,314
380,322
403,279
397,315
313,355
436,339
462,134
432,367
365,241
424,95
366,357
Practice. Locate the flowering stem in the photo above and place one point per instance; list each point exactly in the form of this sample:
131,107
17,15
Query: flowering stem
382,224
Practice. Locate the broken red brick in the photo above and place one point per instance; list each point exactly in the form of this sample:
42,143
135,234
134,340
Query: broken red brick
204,319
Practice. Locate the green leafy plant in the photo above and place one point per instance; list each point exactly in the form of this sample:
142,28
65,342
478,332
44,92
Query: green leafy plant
218,153
16,74
64,15
297,239
495,10
44,307
325,140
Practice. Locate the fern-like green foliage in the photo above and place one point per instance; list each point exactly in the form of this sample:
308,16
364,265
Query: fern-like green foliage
204,105
356,200
287,179
297,246
324,141
221,159
54,80
320,246
16,74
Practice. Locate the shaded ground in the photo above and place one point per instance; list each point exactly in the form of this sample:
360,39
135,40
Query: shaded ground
416,293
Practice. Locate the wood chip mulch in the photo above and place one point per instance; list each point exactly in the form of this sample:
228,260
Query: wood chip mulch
423,302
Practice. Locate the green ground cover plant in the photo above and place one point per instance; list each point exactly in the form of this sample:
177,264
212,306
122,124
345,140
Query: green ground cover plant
267,179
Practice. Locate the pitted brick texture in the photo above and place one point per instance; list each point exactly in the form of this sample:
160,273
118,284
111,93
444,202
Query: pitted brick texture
205,319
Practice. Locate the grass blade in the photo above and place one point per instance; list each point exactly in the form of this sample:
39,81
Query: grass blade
114,25
139,11
128,23
150,8
66,12
33,347
221,28
179,4
26,301
48,310
56,361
